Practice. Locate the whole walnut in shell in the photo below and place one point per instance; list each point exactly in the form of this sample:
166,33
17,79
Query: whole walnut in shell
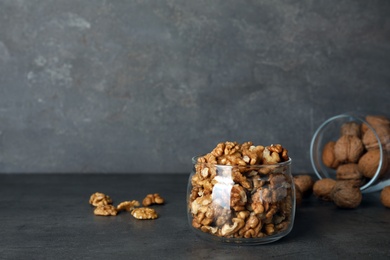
304,183
348,149
328,156
369,139
349,171
322,188
351,128
369,162
385,196
375,120
346,195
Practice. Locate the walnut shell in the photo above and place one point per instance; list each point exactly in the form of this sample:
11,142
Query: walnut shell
328,157
346,195
322,188
305,183
369,162
385,196
351,128
369,139
375,121
348,149
349,171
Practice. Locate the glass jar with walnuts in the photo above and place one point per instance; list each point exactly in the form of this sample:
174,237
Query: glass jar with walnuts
242,193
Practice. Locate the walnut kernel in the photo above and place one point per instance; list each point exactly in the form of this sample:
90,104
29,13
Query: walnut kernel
144,213
99,199
152,199
105,210
127,205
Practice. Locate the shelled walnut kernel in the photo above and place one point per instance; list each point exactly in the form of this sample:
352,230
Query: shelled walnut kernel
152,199
144,213
103,206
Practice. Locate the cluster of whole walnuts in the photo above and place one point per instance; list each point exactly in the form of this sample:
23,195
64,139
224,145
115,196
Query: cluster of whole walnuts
355,156
344,194
242,191
103,206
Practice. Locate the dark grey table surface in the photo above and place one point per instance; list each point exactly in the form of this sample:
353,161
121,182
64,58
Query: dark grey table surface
47,216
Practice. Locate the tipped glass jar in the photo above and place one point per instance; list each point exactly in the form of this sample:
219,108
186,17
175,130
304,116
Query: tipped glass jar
353,146
250,204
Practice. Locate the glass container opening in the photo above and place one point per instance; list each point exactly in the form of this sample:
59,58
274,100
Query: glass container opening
330,131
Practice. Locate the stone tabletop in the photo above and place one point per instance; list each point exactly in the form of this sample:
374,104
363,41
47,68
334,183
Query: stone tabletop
47,216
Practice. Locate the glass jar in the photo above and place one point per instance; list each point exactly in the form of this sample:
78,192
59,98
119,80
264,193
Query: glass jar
375,136
253,204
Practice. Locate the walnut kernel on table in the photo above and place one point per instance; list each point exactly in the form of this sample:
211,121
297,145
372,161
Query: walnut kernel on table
105,210
127,205
152,199
100,199
144,213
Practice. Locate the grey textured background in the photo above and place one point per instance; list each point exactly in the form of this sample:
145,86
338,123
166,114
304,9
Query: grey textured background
142,86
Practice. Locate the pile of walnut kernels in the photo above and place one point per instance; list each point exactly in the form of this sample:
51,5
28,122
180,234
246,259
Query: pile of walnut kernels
103,206
355,156
241,201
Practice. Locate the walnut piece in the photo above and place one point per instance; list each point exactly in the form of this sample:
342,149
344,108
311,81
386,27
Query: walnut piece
99,199
152,199
346,195
227,229
144,213
323,188
127,205
105,210
385,197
